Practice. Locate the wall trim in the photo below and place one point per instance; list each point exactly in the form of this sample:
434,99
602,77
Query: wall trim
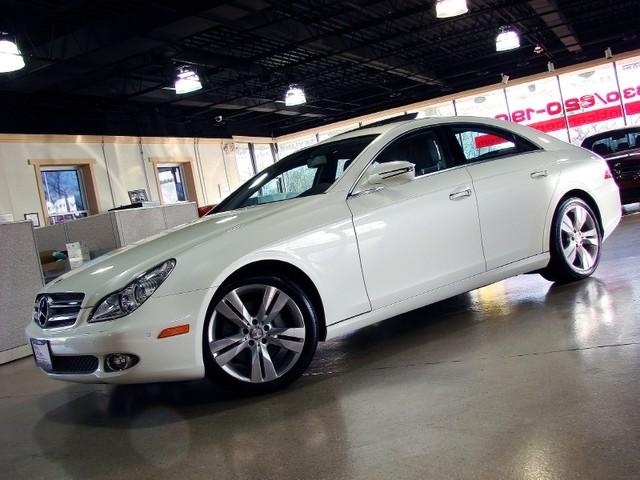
47,138
243,139
60,161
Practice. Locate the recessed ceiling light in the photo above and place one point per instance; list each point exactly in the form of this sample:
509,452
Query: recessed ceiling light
187,81
507,39
295,96
10,56
451,8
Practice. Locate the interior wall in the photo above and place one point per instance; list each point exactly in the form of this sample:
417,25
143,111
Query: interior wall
126,170
20,185
120,164
219,170
171,153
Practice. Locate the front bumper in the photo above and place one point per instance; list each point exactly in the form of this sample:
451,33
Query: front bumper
161,360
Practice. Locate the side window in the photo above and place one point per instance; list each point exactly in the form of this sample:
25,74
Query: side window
420,148
482,143
286,185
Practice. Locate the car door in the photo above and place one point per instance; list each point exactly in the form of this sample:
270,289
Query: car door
421,235
514,181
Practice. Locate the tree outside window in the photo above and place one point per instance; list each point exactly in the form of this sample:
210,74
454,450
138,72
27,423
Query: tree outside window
63,192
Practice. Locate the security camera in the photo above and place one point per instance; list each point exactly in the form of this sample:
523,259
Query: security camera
218,118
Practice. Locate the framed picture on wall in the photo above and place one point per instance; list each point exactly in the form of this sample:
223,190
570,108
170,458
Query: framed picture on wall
138,195
34,217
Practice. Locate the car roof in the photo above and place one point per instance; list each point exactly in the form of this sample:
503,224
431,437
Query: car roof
421,122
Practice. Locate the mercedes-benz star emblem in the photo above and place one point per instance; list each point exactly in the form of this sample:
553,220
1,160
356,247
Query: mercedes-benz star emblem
43,311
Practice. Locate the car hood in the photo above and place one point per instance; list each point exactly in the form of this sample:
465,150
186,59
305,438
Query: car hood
113,271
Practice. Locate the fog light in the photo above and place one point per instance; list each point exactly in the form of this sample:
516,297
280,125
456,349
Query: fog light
116,362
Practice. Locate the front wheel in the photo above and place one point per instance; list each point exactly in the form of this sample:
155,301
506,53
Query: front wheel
260,335
575,242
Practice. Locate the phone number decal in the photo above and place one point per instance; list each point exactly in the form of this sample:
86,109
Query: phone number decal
573,104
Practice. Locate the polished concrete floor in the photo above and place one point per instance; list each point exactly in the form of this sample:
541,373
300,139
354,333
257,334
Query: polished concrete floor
522,379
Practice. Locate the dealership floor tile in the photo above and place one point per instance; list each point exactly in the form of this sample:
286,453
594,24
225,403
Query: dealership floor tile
520,379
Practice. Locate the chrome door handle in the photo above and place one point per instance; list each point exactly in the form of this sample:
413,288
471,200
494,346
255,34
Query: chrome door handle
460,194
539,173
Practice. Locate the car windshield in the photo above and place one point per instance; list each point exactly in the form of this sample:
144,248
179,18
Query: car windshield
613,142
308,172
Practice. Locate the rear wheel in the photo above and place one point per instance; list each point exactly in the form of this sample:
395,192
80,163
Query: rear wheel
261,334
575,242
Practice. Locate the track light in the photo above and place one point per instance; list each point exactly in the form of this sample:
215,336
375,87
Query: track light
507,39
295,96
10,56
451,8
187,80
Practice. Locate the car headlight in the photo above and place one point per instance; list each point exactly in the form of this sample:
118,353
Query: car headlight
125,301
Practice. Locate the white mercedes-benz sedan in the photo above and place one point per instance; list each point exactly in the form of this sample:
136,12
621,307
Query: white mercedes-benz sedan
364,226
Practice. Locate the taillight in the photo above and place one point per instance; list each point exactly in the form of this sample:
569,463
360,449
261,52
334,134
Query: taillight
607,174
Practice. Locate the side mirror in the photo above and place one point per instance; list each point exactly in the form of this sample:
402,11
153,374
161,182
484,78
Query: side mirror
388,173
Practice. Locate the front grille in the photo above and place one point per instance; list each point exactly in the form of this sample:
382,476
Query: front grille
52,310
74,363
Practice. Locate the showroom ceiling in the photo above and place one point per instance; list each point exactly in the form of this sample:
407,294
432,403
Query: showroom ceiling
108,67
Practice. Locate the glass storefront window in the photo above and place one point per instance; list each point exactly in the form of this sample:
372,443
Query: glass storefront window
332,133
538,104
263,155
64,194
591,102
629,78
243,160
287,148
439,110
490,104
381,118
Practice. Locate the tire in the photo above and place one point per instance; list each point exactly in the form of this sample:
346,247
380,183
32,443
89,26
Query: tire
260,334
575,242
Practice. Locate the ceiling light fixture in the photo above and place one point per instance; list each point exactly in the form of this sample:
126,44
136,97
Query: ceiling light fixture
451,8
187,80
10,56
507,39
295,96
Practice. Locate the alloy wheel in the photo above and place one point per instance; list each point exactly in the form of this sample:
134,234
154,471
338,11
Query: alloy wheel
256,333
579,239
